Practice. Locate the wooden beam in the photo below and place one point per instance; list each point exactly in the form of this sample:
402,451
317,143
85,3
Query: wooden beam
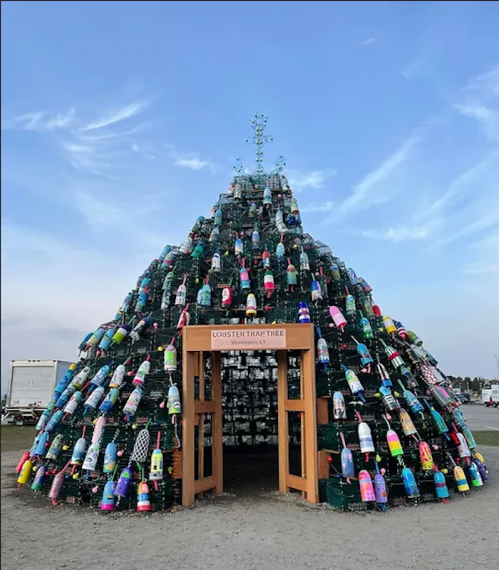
208,407
298,483
282,419
322,465
200,361
188,428
294,405
198,337
203,485
322,411
309,395
216,423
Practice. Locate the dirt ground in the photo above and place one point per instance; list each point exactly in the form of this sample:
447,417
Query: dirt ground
251,532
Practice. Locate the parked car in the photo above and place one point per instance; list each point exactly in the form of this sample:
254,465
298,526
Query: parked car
462,399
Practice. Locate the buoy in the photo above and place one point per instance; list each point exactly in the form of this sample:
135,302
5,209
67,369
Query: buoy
79,449
339,408
379,485
22,461
337,316
156,471
425,456
322,351
353,382
365,437
268,282
170,359
349,303
303,313
25,472
107,501
174,406
109,401
389,325
143,503
123,484
441,490
347,466
411,487
251,308
366,487
141,374
393,441
39,479
133,402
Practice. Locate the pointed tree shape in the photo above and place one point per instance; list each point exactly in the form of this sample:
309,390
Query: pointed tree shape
250,262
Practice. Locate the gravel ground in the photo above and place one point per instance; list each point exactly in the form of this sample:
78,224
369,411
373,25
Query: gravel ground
266,532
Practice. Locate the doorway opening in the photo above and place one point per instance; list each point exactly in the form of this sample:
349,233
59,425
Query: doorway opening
249,421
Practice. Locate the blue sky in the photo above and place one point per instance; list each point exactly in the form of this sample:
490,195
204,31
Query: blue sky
121,122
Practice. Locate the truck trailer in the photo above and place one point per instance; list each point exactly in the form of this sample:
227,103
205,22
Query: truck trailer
30,387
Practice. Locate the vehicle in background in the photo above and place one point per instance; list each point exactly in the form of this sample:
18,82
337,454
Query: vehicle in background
462,399
30,387
490,396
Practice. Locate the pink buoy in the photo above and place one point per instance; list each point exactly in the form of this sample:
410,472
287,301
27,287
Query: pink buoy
338,318
366,487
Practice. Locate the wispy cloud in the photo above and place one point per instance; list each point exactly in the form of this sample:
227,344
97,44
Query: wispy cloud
364,194
190,160
99,214
120,214
481,102
116,116
316,179
95,158
488,220
322,207
484,255
40,121
462,184
399,233
368,42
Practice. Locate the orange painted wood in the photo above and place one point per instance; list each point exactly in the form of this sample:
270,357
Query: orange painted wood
207,407
188,428
198,337
310,397
322,465
200,362
282,419
203,485
294,405
298,483
217,426
322,411
298,337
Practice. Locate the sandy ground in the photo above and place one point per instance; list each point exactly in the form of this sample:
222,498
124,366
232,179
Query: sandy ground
252,532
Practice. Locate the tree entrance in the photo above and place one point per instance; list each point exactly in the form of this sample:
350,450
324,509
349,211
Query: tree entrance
202,399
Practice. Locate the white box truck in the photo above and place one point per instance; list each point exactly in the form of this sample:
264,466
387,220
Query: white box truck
31,385
490,397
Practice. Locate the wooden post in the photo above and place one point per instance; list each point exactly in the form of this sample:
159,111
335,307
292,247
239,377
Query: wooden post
200,362
282,419
322,411
216,423
188,428
309,395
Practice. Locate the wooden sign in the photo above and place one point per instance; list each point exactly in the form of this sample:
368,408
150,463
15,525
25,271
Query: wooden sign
248,339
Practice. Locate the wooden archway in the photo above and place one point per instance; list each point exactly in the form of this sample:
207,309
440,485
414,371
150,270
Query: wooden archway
198,340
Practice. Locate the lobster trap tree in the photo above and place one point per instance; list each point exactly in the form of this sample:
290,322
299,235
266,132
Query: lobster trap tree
390,426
